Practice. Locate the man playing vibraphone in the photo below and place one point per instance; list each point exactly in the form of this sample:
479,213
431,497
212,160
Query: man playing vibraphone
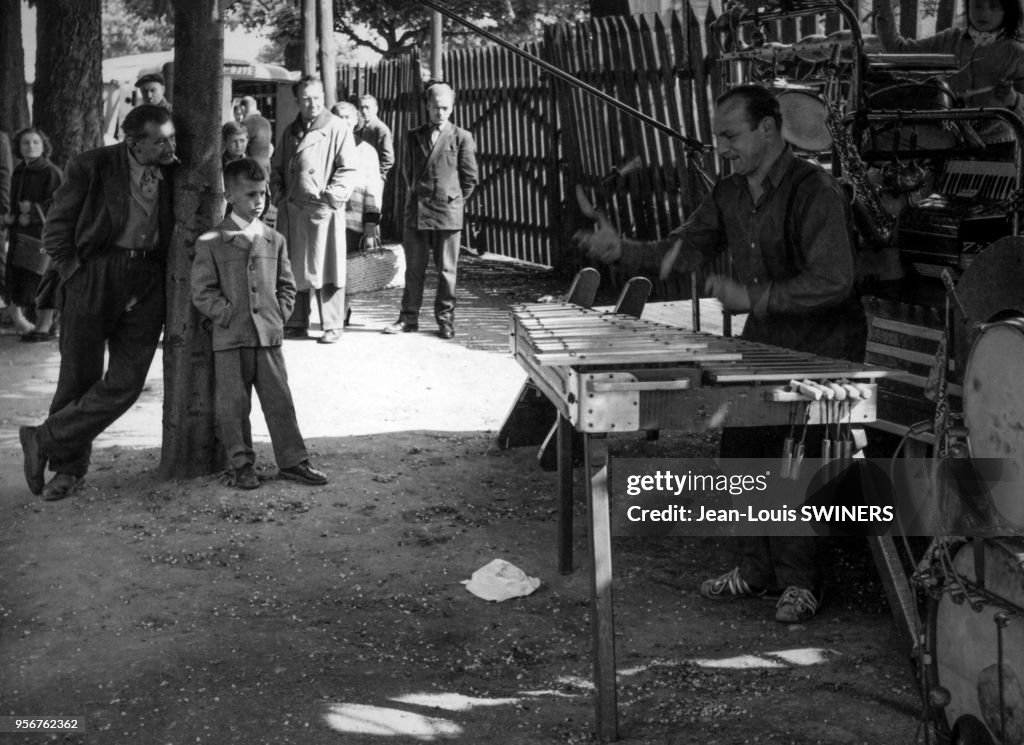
785,223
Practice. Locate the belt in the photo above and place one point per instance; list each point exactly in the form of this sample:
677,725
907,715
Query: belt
134,253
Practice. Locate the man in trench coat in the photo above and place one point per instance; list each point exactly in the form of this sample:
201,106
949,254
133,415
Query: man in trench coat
314,172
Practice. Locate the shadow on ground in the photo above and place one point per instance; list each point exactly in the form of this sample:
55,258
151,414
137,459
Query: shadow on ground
190,612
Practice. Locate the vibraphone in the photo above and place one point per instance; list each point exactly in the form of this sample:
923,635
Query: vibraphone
609,373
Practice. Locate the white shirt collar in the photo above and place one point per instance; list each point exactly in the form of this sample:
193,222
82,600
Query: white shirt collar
250,229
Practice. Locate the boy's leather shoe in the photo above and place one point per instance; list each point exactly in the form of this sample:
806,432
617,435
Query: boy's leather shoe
305,473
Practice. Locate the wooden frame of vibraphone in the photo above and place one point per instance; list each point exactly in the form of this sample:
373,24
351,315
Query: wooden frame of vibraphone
607,373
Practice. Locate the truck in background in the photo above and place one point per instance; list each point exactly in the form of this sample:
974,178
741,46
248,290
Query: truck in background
270,85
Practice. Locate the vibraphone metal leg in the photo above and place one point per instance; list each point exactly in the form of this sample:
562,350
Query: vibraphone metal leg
565,438
602,612
529,419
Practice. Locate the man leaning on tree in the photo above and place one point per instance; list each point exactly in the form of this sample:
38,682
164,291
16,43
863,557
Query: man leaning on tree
107,233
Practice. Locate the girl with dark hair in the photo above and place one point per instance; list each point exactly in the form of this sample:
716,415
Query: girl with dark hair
989,52
34,181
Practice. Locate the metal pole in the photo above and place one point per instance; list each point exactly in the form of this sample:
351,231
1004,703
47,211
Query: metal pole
436,46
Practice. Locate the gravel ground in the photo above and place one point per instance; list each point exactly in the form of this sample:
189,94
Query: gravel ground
189,612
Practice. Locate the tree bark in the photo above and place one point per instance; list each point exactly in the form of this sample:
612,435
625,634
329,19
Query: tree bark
14,102
190,446
309,37
67,96
328,64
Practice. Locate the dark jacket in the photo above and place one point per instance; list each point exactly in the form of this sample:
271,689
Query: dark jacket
91,208
800,277
439,179
378,134
6,168
34,183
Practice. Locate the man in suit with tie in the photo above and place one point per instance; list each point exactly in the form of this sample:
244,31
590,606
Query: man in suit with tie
440,172
107,233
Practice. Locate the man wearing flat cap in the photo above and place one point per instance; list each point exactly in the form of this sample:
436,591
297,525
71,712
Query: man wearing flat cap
151,88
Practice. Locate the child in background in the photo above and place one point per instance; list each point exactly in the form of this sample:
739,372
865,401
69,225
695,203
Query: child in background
234,140
989,53
242,281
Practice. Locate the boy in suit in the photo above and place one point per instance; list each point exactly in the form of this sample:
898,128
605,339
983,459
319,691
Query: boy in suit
440,174
242,281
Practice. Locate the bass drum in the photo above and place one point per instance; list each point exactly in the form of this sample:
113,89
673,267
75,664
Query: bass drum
803,120
965,650
994,413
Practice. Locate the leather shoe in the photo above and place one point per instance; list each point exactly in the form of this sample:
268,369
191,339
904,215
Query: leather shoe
303,472
331,336
446,332
246,478
35,461
62,485
293,332
398,327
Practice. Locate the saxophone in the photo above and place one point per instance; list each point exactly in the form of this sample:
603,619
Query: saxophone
873,222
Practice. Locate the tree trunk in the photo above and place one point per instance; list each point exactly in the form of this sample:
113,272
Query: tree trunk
67,96
190,447
328,65
309,37
14,103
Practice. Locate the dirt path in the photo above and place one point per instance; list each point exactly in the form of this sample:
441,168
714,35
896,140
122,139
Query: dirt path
173,613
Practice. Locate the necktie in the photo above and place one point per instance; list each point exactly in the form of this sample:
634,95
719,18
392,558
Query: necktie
435,132
148,184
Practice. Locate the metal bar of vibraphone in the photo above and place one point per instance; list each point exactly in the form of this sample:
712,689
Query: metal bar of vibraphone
784,376
622,323
643,331
667,337
583,345
548,335
606,326
632,357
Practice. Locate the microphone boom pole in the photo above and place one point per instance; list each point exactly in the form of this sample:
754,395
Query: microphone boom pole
689,142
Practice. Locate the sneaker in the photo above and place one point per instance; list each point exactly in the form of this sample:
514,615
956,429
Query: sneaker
796,605
303,472
729,585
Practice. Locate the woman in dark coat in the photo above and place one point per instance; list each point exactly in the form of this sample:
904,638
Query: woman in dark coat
34,181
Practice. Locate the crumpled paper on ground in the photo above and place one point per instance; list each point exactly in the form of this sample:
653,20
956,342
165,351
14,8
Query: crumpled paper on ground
499,581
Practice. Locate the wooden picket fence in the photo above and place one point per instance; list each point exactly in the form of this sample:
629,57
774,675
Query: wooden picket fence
538,136
396,85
